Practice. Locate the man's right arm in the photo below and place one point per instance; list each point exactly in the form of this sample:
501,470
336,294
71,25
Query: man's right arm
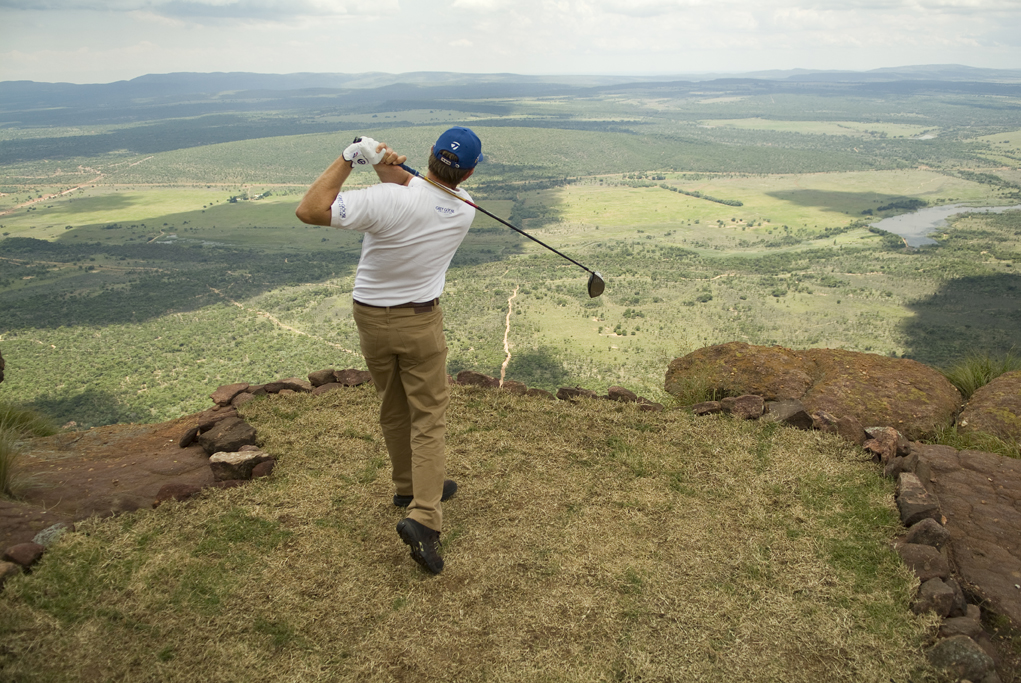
316,206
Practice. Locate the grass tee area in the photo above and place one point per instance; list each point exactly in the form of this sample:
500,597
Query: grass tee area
587,542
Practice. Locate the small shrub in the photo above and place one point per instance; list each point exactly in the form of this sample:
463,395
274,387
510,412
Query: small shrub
978,370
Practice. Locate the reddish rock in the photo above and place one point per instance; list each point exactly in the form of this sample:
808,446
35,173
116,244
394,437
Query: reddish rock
241,399
24,554
934,596
925,561
960,626
175,492
849,428
513,387
323,388
321,377
574,393
621,394
227,435
995,409
791,413
747,407
223,395
352,377
914,501
477,379
824,422
294,384
911,397
188,438
928,532
707,408
883,443
897,465
237,465
648,406
263,469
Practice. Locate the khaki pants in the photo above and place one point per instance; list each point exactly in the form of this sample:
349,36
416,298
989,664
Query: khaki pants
406,353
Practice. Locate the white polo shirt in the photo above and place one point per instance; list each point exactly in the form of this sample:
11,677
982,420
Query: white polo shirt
411,235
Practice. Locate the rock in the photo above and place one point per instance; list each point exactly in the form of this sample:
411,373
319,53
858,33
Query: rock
50,534
648,406
206,425
323,388
928,532
263,469
995,409
294,384
227,435
574,393
934,596
236,465
241,399
321,377
540,393
913,398
24,554
980,495
900,464
924,560
513,387
747,407
850,429
223,395
707,408
188,438
616,393
175,492
824,422
960,626
914,502
960,607
8,570
886,443
477,379
352,377
962,656
257,390
790,412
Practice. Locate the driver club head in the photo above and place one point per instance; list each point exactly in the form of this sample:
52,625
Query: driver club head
595,285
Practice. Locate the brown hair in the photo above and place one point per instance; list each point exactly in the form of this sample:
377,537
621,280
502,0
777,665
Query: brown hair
448,174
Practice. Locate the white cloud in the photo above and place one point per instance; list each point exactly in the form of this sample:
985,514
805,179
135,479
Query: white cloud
215,9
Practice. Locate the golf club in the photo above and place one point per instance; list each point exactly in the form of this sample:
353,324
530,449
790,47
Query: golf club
595,281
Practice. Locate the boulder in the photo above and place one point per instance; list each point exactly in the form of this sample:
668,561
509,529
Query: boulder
189,437
574,393
236,465
241,399
960,626
849,428
223,395
824,422
227,435
995,409
747,407
321,377
914,502
934,596
886,443
24,554
8,570
514,387
962,656
294,384
928,532
790,413
925,561
477,379
913,398
616,393
352,377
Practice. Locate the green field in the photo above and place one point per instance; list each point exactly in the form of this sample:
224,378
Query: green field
135,280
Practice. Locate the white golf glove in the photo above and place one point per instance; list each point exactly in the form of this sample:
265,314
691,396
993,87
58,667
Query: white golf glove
363,153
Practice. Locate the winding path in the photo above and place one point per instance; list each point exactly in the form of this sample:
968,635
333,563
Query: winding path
506,334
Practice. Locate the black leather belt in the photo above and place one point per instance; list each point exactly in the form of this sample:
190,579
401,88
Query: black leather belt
419,306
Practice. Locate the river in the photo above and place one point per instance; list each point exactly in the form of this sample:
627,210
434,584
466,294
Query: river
914,227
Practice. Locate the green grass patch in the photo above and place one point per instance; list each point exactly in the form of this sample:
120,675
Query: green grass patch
979,369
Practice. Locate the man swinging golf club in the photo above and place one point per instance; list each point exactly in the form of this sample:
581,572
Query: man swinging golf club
412,228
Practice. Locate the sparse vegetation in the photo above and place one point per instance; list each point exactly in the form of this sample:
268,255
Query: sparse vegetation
979,369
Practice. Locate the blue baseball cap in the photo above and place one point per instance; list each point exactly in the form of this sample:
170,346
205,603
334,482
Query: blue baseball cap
458,147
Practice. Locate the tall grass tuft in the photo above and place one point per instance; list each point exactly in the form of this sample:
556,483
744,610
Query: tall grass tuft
16,423
977,441
978,370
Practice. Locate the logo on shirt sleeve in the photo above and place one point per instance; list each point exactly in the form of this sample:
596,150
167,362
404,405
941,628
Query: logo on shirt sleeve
444,211
341,207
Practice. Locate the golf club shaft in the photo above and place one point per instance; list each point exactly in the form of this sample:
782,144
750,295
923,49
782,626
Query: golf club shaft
496,218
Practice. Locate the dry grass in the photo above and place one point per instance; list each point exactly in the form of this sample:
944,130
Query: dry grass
587,543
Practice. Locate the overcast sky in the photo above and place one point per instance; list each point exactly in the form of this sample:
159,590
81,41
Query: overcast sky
98,41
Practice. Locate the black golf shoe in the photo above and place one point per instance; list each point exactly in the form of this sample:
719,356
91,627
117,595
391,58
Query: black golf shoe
424,543
449,489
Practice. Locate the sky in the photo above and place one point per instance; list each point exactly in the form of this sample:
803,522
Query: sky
100,41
